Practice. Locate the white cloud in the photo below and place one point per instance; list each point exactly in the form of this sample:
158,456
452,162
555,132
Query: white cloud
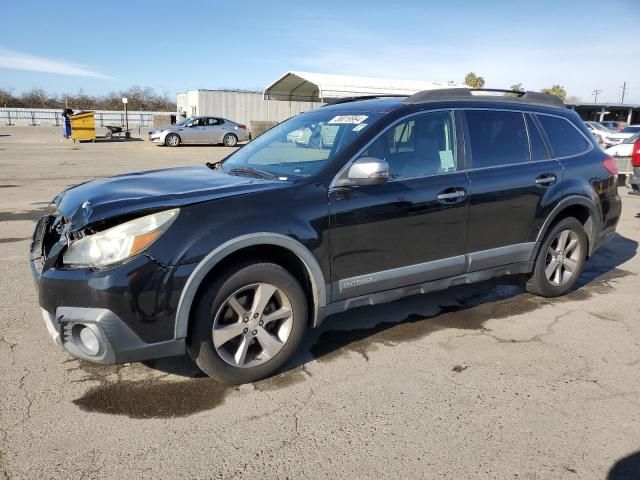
22,61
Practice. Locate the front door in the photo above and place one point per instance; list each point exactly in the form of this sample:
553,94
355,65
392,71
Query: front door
511,173
194,132
411,229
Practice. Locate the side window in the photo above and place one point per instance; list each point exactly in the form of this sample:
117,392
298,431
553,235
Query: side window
497,138
423,145
565,139
538,150
213,121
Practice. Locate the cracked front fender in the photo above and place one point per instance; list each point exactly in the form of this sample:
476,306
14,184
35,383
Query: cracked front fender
142,292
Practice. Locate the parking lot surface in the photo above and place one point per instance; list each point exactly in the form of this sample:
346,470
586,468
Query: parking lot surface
482,381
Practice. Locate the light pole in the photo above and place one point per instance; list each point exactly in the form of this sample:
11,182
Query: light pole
624,90
125,100
596,92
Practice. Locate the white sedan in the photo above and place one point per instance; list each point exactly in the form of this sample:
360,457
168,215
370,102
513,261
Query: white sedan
623,153
621,136
600,132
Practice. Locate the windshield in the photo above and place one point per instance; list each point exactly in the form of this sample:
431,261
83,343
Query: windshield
184,122
631,129
633,138
302,145
597,126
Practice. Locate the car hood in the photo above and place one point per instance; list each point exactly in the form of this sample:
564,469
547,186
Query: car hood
152,190
164,127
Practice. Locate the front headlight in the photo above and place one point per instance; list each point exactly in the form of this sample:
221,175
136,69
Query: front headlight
120,242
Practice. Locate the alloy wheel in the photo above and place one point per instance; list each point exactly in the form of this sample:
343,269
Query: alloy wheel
252,325
563,258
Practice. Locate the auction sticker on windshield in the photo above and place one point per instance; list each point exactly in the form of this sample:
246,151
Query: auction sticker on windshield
355,119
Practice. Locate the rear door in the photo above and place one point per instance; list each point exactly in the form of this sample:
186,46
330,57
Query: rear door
512,177
213,129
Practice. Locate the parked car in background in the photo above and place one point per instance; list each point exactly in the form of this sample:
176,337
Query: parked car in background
314,136
599,132
624,154
634,179
613,125
619,137
200,130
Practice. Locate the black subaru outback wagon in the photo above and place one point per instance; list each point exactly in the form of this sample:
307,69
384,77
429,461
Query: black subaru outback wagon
397,196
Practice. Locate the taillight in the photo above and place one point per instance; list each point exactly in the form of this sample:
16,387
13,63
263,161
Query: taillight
244,127
635,154
611,165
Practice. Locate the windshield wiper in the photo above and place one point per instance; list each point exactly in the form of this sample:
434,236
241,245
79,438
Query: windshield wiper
254,172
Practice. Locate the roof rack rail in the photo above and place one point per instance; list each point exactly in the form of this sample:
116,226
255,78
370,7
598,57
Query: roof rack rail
536,98
362,97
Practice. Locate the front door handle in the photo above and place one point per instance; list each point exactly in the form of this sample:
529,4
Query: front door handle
451,195
545,179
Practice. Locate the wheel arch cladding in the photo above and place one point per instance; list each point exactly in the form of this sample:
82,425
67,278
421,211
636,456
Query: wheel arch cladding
268,246
581,208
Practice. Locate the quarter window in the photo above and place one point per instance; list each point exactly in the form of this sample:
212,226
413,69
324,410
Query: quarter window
497,138
538,150
424,145
565,139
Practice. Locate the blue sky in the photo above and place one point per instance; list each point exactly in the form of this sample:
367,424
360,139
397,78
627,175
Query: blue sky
178,45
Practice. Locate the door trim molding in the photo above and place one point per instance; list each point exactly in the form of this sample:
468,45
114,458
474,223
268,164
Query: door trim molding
375,282
388,279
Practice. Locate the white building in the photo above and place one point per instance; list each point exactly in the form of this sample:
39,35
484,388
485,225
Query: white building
238,105
292,93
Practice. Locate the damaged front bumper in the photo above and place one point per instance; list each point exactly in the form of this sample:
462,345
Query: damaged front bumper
119,314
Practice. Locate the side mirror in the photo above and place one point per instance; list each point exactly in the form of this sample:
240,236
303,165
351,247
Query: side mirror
368,171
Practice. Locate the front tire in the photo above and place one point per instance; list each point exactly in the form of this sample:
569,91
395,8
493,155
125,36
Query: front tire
230,140
247,323
172,140
560,260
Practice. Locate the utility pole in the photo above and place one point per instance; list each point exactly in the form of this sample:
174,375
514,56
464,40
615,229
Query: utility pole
596,92
624,90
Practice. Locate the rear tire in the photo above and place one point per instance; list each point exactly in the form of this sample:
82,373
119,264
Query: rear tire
172,140
247,323
560,260
230,140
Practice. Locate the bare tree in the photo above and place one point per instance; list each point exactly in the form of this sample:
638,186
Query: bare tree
140,98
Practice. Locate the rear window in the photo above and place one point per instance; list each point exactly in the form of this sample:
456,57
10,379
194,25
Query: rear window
497,138
565,139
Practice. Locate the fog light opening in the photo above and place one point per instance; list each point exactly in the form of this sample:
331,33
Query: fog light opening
86,339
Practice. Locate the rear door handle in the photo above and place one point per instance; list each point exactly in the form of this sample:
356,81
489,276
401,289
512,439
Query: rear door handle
451,195
545,179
